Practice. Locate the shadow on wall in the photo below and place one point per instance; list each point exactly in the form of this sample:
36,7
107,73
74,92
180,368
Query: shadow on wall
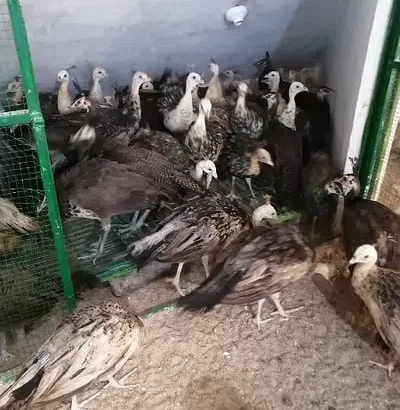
144,35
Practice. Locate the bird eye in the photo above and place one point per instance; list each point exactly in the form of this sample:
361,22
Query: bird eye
366,256
99,72
272,75
297,86
65,75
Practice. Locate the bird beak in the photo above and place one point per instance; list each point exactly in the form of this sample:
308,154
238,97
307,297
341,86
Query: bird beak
352,261
106,74
265,80
268,162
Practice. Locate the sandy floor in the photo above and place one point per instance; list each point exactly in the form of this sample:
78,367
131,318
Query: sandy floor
220,361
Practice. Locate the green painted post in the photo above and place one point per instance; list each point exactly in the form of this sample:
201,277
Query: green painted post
372,149
37,122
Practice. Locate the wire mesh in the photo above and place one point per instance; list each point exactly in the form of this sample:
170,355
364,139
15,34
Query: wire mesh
30,283
12,97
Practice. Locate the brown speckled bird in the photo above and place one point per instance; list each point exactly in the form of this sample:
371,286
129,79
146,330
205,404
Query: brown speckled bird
260,263
244,155
195,230
379,288
91,344
100,189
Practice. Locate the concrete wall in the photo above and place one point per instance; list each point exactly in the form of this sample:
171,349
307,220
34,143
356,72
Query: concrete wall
351,65
122,35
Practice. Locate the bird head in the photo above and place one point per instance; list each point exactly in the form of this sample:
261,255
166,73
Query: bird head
15,85
99,73
205,106
82,104
364,254
242,88
264,156
272,79
295,88
230,74
262,213
208,168
193,81
147,86
139,78
63,76
214,67
344,186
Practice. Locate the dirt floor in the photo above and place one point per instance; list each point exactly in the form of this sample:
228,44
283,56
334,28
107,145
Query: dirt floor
220,361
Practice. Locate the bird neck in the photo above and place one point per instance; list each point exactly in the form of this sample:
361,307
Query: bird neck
241,103
287,118
275,85
135,91
360,275
18,95
96,92
337,222
64,100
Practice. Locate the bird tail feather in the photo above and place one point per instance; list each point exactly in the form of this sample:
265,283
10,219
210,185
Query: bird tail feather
213,290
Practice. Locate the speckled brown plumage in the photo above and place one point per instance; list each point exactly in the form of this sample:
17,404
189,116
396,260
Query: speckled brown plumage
200,227
260,262
364,221
99,189
164,144
91,344
153,166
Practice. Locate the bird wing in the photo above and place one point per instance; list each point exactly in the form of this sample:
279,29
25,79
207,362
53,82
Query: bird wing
387,316
258,263
89,344
12,218
170,100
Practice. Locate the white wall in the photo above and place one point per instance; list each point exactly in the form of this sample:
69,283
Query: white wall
122,35
351,65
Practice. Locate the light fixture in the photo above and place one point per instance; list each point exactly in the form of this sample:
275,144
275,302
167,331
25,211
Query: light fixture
236,15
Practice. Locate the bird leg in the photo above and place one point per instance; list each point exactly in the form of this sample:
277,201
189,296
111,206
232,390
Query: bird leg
98,246
388,367
248,181
41,206
175,280
4,355
232,194
258,320
275,297
136,224
205,259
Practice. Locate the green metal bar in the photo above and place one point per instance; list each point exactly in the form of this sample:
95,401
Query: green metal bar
11,118
379,116
24,56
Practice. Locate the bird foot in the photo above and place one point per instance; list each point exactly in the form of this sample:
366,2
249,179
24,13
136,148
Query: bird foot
176,284
131,229
388,367
112,382
285,313
93,253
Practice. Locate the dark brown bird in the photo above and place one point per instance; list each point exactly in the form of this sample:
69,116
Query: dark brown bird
195,230
260,263
363,221
244,155
91,344
379,288
100,189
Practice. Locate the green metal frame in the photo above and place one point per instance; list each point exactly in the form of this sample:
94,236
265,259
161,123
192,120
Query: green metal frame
34,117
377,128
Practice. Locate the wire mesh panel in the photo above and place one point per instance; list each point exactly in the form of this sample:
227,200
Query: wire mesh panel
31,243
